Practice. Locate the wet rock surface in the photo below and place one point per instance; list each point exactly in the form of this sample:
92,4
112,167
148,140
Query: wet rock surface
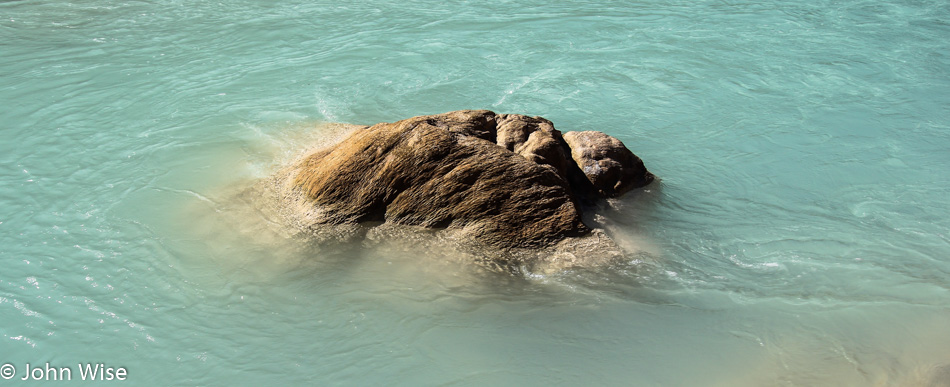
609,167
507,181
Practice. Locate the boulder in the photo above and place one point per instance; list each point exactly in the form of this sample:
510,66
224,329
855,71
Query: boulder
609,167
504,180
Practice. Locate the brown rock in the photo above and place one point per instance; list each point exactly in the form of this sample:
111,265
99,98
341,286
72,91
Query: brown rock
440,171
607,164
535,139
501,179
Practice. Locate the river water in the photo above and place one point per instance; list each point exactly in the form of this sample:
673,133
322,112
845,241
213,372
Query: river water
798,237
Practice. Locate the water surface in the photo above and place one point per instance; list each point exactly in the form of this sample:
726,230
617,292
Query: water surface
799,235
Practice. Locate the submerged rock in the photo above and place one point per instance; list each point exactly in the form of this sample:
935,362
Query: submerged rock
504,180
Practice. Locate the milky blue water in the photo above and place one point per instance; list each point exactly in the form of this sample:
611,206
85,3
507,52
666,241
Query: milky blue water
799,235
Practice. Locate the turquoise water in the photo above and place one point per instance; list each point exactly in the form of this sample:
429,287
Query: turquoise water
799,235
